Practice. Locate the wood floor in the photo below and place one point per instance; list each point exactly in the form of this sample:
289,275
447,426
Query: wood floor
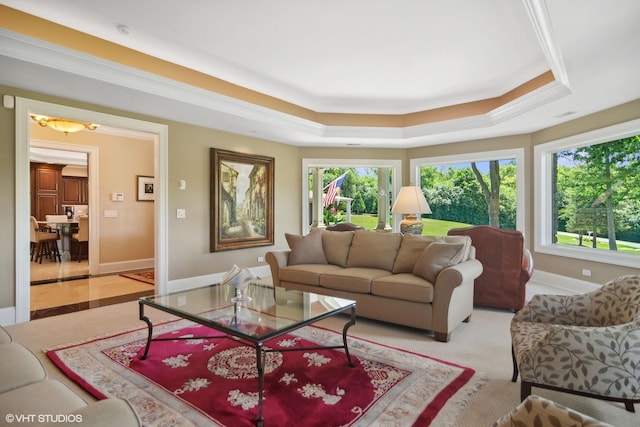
72,289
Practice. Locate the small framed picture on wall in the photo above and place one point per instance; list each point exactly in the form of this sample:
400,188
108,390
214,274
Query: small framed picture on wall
145,189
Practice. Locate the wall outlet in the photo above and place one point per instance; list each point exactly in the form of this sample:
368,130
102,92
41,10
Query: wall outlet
181,213
260,259
586,272
182,300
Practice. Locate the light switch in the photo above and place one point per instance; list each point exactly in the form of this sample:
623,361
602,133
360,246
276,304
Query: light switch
183,184
8,102
110,214
181,213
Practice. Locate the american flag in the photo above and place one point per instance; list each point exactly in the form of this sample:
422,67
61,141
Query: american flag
333,189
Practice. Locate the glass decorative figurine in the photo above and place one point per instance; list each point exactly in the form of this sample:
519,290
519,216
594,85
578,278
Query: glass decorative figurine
239,278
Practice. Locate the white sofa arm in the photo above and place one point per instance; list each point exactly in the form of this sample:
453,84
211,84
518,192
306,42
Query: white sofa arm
453,296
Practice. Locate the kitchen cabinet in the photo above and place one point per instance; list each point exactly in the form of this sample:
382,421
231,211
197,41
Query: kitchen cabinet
75,190
46,183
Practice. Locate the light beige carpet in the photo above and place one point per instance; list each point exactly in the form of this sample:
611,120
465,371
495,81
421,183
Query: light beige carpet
482,344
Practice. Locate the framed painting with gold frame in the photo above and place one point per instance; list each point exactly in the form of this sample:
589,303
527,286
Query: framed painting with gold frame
241,200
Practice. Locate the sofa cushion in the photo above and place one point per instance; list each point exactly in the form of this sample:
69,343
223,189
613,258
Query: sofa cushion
336,246
465,240
306,249
410,250
351,279
44,397
436,257
308,274
374,250
19,367
5,338
405,286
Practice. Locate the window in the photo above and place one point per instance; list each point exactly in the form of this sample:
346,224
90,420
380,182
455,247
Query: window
461,192
588,188
332,165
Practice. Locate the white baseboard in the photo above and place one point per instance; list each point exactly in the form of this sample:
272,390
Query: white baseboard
208,279
119,267
563,283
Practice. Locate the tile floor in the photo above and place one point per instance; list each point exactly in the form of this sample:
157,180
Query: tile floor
71,289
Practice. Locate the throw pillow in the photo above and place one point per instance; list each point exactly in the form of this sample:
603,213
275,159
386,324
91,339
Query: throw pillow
306,249
466,240
374,250
336,246
410,250
436,257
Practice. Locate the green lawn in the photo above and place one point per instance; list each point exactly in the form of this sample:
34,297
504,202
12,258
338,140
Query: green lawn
436,227
430,227
571,239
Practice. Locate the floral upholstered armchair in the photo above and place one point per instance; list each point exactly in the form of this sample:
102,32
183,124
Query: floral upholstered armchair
585,344
538,411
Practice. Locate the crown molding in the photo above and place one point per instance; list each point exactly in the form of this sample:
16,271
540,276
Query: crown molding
240,116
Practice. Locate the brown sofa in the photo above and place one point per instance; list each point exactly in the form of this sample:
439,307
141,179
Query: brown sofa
507,266
417,281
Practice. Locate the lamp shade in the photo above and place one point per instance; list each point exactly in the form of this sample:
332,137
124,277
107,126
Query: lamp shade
410,200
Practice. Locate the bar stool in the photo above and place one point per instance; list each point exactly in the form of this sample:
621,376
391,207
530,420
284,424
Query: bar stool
43,243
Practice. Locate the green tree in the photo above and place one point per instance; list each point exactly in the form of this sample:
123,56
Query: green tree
429,177
358,204
491,190
444,201
472,204
608,175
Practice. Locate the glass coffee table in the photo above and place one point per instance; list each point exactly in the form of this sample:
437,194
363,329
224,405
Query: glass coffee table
266,313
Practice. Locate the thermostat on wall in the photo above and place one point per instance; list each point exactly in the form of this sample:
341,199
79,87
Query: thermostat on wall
117,197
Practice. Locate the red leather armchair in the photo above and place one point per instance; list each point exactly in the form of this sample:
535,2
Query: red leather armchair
507,266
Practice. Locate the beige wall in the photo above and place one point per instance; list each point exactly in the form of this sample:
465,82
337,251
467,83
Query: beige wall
189,147
7,199
189,159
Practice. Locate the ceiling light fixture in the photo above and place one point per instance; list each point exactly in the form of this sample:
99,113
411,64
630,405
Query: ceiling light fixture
63,125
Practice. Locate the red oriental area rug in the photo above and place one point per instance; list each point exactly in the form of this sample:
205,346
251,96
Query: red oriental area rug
201,381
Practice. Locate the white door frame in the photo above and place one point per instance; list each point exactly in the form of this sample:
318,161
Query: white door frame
24,107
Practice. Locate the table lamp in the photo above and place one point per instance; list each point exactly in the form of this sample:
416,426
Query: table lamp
410,201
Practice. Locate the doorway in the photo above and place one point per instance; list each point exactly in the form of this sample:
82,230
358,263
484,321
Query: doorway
25,107
73,161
